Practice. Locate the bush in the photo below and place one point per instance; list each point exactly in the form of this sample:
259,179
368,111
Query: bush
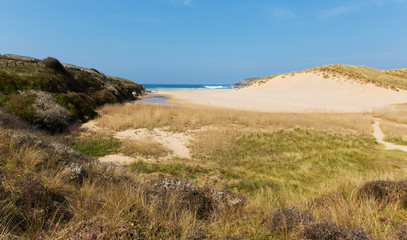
54,64
326,230
402,234
203,201
80,106
3,100
33,206
384,190
98,229
286,219
21,106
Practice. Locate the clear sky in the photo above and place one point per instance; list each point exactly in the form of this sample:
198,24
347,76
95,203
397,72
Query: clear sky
206,41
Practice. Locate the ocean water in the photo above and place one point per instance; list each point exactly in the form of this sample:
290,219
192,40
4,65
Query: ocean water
185,86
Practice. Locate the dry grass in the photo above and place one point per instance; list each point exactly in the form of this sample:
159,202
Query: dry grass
396,114
180,118
395,133
146,147
315,163
395,124
393,79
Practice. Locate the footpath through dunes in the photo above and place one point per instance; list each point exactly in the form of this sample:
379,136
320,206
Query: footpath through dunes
305,91
379,135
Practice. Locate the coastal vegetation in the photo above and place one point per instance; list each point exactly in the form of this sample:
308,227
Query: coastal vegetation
393,79
31,88
194,172
302,174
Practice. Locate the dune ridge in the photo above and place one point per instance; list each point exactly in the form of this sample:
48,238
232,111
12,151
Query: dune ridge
306,91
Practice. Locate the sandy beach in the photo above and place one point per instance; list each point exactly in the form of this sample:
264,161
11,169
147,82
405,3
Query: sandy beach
303,92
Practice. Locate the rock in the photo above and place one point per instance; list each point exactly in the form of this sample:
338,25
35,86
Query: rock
48,113
203,200
76,172
21,58
226,198
244,82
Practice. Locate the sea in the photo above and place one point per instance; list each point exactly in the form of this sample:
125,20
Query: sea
186,86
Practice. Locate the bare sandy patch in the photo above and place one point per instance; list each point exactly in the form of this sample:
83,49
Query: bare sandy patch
302,92
175,142
91,126
117,158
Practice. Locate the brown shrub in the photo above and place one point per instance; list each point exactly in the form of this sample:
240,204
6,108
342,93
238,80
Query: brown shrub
10,121
285,219
204,201
403,200
326,230
98,229
32,206
384,190
188,196
402,233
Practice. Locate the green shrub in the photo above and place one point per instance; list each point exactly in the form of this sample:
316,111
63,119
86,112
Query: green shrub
3,100
54,64
21,106
80,106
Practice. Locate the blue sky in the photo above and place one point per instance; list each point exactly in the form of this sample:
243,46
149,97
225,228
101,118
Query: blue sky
206,41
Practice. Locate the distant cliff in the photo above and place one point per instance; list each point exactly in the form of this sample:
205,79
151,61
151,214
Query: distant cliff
244,82
46,92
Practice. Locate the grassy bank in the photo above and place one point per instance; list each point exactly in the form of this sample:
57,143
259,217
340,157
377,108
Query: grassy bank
316,163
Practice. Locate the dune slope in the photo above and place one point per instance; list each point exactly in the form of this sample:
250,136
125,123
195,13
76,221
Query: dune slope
302,91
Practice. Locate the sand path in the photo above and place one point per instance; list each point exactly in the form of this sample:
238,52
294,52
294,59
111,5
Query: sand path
379,135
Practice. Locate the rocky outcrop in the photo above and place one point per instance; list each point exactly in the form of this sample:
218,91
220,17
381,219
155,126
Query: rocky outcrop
76,89
244,82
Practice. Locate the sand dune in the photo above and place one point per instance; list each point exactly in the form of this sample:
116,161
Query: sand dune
301,92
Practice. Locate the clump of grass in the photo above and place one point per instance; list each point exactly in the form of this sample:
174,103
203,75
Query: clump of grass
284,220
147,148
395,132
95,146
176,168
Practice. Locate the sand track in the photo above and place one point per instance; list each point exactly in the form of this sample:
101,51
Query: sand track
379,135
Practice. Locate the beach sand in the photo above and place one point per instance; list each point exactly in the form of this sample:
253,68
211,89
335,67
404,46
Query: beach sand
303,92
